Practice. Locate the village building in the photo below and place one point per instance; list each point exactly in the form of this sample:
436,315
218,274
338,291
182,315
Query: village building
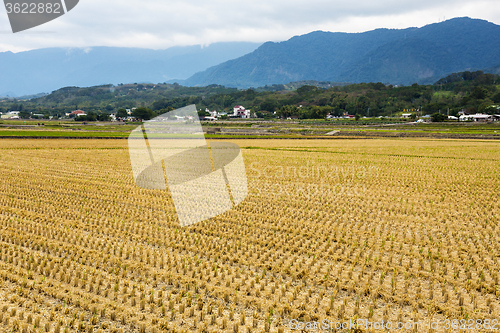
477,117
240,112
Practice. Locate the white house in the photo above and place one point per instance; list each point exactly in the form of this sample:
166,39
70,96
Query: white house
10,115
240,112
213,113
476,117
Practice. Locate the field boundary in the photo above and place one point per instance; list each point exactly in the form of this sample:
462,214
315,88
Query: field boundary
344,135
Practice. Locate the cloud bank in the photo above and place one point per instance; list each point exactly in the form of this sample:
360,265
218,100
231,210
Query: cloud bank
159,24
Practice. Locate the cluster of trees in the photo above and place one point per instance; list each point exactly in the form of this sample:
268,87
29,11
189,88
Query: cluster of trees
475,92
142,113
24,115
470,91
438,117
310,112
93,116
108,98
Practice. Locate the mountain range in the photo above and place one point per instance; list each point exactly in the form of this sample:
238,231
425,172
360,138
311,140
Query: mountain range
45,70
397,56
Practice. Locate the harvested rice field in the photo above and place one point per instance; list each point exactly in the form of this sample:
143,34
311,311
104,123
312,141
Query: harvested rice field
334,235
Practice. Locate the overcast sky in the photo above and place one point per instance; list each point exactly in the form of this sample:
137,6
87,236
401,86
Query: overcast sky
159,24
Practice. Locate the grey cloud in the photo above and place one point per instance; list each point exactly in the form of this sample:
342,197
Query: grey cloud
161,24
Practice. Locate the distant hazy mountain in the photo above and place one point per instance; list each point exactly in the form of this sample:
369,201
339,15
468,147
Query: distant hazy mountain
384,55
493,70
45,70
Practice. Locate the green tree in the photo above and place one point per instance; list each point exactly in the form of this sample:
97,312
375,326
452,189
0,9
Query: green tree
306,89
121,113
318,112
496,98
103,116
91,116
268,105
438,117
286,111
203,113
479,93
143,113
24,115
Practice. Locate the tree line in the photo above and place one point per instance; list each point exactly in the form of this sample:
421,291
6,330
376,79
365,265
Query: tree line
469,91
